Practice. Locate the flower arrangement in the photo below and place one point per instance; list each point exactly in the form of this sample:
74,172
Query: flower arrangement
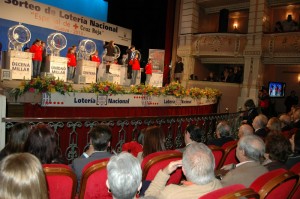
174,88
38,85
50,85
145,90
104,88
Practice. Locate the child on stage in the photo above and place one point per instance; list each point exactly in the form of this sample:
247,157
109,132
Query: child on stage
135,68
148,71
71,63
95,57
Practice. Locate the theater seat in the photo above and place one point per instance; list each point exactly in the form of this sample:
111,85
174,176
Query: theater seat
296,192
278,183
218,153
61,181
93,181
152,163
229,155
132,147
231,192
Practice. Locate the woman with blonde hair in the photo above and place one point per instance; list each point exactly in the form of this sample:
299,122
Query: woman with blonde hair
22,176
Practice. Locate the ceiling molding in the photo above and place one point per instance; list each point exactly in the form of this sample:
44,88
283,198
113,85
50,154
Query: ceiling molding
232,7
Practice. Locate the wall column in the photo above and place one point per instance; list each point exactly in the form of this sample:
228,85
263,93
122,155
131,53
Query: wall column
253,66
2,124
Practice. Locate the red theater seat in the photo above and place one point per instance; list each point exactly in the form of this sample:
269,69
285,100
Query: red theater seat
278,183
93,181
218,153
152,163
61,181
229,156
296,192
231,192
132,147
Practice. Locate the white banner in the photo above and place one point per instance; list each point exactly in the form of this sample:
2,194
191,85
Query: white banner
45,16
126,100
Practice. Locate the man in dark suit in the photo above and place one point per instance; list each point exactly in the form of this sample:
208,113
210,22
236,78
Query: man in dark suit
259,124
250,151
192,134
223,133
100,137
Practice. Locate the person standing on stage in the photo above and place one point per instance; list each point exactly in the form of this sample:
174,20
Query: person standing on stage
135,63
71,63
37,58
148,71
76,55
95,58
178,69
131,55
110,55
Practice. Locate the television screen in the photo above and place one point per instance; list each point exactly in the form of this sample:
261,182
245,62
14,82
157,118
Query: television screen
276,89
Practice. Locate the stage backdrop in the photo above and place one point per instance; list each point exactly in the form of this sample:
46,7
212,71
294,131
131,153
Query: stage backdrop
42,20
96,9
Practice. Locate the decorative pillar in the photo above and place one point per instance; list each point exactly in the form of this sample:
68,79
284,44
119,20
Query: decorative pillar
2,124
253,66
188,24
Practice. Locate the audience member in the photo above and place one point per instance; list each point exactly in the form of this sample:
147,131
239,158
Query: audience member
296,117
291,100
264,101
223,133
198,167
274,125
245,129
22,177
124,176
285,121
289,24
192,134
278,27
16,139
259,124
211,77
250,152
237,75
278,149
154,141
250,113
42,143
100,137
295,157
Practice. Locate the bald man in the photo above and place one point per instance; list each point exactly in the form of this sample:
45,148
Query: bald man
245,129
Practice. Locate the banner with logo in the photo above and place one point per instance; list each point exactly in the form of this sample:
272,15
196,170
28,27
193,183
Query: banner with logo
126,100
38,14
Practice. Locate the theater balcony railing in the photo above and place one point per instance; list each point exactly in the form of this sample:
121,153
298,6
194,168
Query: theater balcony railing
72,133
219,44
281,48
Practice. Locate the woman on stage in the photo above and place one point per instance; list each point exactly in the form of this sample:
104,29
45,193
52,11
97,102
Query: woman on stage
71,63
110,55
37,58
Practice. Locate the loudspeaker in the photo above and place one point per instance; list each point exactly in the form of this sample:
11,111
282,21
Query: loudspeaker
223,20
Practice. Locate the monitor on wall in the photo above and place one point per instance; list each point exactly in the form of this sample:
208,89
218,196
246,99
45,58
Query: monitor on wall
276,89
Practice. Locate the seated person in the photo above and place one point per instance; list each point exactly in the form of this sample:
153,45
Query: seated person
278,149
223,133
274,125
153,141
294,158
278,27
100,137
286,127
42,143
124,176
245,129
289,24
197,165
192,134
22,176
211,77
250,151
250,113
259,124
16,139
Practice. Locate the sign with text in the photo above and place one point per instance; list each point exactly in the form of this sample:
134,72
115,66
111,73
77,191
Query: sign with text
38,14
125,100
88,69
20,64
57,66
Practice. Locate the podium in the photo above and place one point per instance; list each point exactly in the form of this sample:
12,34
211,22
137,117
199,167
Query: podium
85,71
57,67
118,75
156,79
20,64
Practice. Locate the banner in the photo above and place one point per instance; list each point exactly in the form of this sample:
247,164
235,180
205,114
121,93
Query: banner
158,57
126,100
45,16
